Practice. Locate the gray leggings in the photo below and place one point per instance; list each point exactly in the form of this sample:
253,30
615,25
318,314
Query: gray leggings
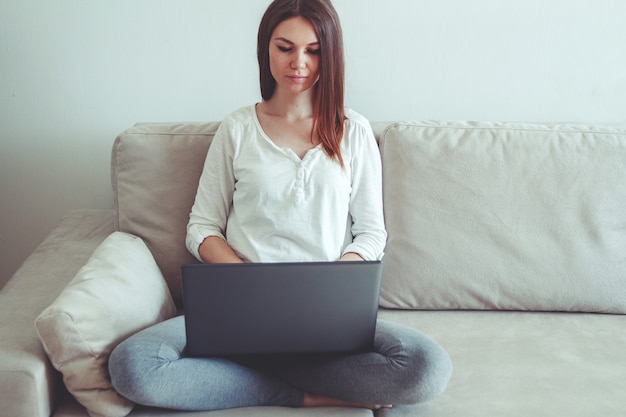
150,368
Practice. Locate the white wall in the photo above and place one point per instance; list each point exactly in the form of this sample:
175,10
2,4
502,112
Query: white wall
74,73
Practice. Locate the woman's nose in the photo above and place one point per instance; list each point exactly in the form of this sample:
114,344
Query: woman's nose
299,61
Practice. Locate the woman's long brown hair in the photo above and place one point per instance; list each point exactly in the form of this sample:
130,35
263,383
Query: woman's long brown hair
328,108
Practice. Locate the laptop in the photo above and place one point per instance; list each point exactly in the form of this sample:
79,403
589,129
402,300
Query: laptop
258,308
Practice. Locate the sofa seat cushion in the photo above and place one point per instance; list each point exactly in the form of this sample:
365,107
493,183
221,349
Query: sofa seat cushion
70,408
504,216
117,293
514,364
520,364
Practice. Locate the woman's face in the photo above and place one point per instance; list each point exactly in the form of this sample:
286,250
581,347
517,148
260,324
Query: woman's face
294,55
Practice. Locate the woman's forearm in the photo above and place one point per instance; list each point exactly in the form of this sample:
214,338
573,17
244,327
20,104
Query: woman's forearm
351,256
215,250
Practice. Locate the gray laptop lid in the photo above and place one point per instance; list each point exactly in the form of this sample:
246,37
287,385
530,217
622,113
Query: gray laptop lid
280,307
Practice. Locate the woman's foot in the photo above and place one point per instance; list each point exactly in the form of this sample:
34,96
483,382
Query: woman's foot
311,400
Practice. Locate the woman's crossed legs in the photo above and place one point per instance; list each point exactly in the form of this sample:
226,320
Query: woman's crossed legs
406,367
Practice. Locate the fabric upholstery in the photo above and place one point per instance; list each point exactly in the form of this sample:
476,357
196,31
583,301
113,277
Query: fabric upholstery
155,173
71,409
29,385
505,217
505,363
117,293
521,364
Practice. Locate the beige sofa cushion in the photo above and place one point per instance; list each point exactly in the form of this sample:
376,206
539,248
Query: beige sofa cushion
495,216
117,293
155,173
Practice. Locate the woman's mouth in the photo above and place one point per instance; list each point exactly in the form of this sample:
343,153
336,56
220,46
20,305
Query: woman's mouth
297,78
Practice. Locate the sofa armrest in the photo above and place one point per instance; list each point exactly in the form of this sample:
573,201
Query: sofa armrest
28,383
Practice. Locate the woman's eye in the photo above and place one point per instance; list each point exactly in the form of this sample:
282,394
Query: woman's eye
314,51
284,48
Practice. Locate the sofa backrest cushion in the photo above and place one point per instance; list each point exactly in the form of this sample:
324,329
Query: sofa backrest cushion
155,170
504,216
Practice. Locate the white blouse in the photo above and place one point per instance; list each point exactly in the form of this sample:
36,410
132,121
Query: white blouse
272,206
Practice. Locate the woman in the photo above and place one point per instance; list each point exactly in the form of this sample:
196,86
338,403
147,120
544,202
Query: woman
294,178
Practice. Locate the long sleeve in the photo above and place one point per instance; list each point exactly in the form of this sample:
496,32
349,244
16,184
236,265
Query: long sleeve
209,214
366,201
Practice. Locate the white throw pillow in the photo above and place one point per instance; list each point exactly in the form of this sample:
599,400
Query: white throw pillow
117,293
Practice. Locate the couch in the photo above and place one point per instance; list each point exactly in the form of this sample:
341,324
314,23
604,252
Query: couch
507,245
